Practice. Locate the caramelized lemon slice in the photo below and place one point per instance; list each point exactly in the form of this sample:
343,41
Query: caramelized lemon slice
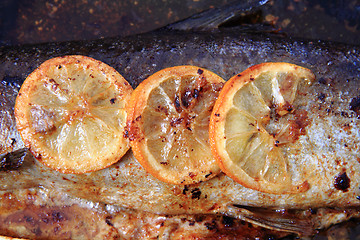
71,114
168,124
246,135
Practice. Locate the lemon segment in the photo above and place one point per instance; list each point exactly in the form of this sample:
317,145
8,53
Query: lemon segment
71,114
246,135
169,124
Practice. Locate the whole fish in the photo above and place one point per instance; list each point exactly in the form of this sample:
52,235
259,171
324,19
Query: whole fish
124,201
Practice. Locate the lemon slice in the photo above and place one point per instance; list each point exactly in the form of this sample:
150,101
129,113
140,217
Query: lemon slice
71,113
247,134
168,124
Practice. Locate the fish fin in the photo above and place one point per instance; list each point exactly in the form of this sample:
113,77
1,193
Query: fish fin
13,160
212,18
23,173
273,220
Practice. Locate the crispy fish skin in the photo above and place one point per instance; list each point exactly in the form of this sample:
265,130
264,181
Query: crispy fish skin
327,154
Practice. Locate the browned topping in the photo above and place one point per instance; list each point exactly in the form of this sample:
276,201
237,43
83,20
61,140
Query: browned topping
42,120
295,128
187,98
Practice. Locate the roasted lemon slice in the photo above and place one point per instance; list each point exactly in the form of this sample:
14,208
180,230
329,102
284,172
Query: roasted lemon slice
247,136
71,113
168,124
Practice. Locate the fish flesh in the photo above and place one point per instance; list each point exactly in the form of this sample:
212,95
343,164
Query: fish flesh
327,154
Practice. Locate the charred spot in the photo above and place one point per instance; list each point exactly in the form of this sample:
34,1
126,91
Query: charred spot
288,107
200,71
112,101
217,114
192,175
269,237
239,75
211,225
164,163
36,231
195,193
199,218
191,223
186,188
126,133
108,221
187,98
176,121
344,114
138,118
227,221
57,229
208,175
313,210
55,85
177,103
323,81
355,105
13,141
162,109
57,216
342,182
321,97
29,219
213,207
252,79
196,93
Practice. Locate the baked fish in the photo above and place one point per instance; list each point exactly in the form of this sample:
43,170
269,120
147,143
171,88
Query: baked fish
124,201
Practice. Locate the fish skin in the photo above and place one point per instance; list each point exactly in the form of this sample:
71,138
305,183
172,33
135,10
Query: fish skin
331,142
